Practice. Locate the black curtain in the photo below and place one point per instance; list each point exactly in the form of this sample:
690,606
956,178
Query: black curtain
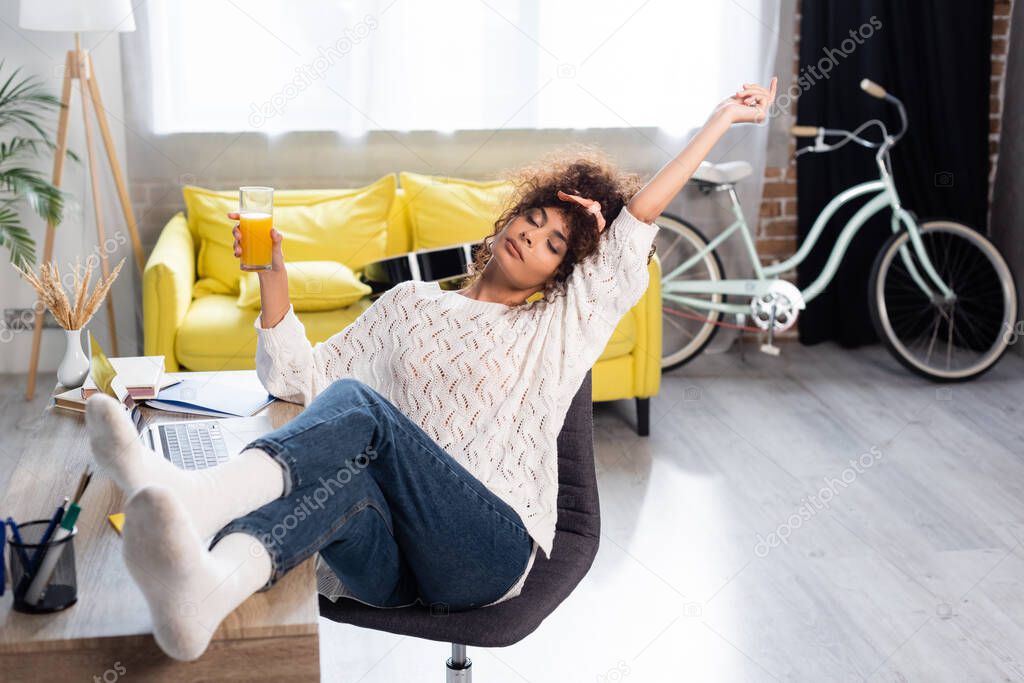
935,56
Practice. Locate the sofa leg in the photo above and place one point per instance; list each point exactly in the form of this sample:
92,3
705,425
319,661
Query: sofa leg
459,667
643,416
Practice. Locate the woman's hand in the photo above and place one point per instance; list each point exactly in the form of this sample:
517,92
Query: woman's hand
274,301
750,104
276,238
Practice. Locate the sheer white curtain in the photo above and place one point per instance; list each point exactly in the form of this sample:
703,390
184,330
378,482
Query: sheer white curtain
359,65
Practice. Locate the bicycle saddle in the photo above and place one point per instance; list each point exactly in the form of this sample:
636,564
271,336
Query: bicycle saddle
722,174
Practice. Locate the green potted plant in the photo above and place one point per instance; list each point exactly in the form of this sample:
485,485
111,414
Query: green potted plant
25,110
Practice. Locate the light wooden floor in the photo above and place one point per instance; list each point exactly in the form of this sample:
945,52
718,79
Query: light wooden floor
905,566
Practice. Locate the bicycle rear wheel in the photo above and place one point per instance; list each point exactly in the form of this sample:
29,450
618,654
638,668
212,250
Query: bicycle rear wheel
686,330
946,341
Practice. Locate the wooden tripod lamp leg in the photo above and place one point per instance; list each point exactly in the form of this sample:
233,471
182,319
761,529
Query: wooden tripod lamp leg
70,72
97,204
115,166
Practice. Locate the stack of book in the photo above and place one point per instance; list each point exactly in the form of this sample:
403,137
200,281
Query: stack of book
138,378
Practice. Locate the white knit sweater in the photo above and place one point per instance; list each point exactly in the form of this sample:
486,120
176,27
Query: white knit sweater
490,383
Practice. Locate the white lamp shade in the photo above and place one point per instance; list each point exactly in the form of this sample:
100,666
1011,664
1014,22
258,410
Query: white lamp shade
77,15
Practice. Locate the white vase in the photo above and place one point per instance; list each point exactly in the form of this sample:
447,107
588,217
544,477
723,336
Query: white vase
74,368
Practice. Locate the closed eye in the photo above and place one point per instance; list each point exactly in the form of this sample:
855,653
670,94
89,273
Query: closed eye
530,218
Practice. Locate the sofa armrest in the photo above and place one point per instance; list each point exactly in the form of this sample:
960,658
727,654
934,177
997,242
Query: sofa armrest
167,289
647,355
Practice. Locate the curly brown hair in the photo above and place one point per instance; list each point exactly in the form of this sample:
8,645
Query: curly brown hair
580,170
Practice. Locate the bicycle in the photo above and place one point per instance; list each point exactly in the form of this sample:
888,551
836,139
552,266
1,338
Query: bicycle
940,293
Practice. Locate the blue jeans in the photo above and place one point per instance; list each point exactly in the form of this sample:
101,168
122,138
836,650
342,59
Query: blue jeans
392,513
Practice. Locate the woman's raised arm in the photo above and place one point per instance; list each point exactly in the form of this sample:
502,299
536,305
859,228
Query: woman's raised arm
274,300
749,105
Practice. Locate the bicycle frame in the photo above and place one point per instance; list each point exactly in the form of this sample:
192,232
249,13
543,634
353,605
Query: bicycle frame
885,193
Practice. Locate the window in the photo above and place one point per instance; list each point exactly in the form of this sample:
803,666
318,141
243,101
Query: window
359,65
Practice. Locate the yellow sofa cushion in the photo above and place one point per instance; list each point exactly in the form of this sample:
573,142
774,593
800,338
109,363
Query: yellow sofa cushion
348,226
445,211
312,286
218,335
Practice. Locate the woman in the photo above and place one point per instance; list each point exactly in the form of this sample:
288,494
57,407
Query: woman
424,467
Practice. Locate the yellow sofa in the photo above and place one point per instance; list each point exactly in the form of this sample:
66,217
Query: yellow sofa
212,333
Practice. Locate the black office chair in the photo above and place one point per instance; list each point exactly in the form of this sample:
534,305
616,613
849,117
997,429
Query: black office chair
577,532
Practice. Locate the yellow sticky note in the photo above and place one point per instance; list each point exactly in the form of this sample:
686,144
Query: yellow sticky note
117,521
100,368
104,374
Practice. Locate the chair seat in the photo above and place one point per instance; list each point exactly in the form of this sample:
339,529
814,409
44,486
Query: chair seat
551,580
722,174
501,625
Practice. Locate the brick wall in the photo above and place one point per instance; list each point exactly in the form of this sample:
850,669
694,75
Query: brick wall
1000,45
777,229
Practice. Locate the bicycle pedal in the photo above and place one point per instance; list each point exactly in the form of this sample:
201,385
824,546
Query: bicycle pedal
770,349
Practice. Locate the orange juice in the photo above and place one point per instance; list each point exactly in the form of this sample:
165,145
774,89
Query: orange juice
256,245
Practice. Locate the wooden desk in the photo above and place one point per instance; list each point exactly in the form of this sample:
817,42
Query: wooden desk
271,637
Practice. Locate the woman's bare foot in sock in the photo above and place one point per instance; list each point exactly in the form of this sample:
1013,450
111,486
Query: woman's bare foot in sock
120,453
213,497
189,589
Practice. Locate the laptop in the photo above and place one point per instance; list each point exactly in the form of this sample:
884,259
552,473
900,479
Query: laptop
198,444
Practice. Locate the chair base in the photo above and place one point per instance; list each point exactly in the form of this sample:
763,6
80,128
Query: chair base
459,667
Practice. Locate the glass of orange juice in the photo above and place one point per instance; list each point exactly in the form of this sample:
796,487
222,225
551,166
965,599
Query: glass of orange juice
255,219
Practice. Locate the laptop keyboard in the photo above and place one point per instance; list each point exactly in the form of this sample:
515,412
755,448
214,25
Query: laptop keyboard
193,445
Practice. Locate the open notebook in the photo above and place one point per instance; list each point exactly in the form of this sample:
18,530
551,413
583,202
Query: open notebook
240,396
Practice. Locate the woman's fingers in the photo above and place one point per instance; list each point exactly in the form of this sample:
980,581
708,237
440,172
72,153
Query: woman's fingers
752,101
755,89
753,92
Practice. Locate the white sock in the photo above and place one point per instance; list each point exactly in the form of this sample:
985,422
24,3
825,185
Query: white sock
188,588
213,496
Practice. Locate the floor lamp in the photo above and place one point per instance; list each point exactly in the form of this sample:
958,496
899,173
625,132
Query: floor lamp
77,16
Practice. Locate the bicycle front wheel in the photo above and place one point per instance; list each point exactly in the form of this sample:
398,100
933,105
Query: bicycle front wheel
686,329
945,340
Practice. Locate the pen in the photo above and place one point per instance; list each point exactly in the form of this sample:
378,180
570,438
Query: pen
42,576
54,521
19,545
3,540
37,556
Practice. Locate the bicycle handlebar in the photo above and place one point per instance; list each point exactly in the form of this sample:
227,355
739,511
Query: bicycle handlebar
873,89
804,131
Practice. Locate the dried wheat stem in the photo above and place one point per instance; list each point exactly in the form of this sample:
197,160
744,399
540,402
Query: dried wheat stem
69,315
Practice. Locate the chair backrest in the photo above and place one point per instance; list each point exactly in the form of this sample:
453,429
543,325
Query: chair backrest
578,505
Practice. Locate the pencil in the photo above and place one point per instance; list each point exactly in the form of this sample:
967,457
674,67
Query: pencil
83,484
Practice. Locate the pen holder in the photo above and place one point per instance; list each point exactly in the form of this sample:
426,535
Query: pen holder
60,590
